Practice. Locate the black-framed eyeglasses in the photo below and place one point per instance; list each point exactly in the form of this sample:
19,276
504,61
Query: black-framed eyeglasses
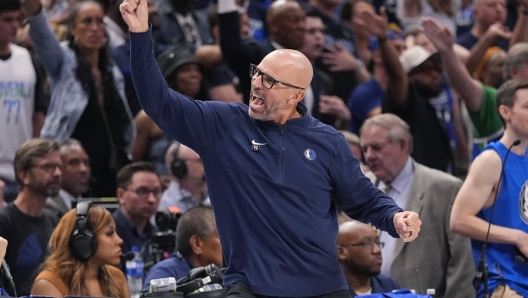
144,192
367,245
47,167
267,80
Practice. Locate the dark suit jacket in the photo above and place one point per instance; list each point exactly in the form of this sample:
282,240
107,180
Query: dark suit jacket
171,31
443,259
239,52
56,206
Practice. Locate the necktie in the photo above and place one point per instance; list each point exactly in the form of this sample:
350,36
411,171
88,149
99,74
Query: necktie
387,187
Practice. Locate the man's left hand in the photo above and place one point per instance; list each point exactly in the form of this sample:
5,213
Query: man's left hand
407,225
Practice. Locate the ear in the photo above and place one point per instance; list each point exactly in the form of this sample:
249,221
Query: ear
196,244
342,253
120,195
297,96
504,112
404,144
512,71
73,32
24,176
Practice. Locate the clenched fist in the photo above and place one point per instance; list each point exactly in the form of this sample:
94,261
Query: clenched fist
135,14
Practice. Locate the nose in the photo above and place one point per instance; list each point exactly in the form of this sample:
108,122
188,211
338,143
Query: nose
151,197
84,167
57,171
196,73
368,154
256,82
376,249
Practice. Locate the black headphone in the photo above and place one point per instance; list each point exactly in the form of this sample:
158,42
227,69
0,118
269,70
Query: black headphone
178,166
83,242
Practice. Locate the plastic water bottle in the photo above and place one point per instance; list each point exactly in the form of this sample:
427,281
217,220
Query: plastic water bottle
431,292
134,272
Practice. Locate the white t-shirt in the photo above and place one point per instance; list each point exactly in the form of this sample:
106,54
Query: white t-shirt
17,102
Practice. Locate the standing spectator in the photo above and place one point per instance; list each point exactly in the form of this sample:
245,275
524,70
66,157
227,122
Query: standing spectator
184,74
441,260
21,95
286,23
410,12
417,92
181,23
75,168
486,185
24,223
479,99
121,56
88,101
318,99
340,59
222,82
366,99
359,253
486,13
138,193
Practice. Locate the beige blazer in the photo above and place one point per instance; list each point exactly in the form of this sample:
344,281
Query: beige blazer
438,259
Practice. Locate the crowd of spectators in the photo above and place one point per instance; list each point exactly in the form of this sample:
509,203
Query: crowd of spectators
411,84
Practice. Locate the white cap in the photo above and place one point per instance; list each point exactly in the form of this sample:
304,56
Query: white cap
413,57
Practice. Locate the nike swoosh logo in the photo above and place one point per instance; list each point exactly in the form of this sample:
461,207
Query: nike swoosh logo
257,144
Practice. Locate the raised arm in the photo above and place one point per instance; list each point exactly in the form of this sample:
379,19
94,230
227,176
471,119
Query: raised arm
520,31
487,40
43,38
186,120
376,25
459,77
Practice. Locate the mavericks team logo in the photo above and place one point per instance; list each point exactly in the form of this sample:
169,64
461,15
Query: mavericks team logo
309,154
523,202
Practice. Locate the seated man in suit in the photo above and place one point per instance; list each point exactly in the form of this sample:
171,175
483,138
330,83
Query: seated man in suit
75,170
439,259
359,253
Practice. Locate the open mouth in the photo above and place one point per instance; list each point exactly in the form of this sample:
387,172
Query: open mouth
257,101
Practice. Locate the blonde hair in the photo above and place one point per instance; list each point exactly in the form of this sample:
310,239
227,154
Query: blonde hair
69,268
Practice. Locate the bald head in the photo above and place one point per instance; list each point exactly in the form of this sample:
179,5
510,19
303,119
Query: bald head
359,251
291,66
286,23
352,231
185,152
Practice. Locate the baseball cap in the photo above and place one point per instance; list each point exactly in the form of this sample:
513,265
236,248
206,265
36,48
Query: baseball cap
413,57
393,33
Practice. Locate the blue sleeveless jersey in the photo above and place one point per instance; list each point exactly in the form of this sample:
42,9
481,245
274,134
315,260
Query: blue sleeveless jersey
511,210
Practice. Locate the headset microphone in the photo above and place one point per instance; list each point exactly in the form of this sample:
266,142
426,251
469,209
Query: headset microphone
482,268
129,256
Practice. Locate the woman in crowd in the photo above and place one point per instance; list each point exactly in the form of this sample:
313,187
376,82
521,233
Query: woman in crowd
70,270
184,74
87,91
